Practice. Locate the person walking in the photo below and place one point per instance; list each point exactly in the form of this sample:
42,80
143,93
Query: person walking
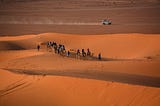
88,52
38,47
78,53
99,56
68,53
83,53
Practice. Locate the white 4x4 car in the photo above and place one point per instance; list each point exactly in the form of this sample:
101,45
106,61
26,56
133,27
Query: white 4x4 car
106,22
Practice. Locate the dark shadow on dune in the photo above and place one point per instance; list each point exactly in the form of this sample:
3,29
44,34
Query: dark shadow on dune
109,59
116,59
94,58
7,45
93,74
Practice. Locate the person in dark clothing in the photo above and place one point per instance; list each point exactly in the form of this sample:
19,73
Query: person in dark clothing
55,48
38,47
58,51
63,48
83,53
88,52
99,56
68,53
78,54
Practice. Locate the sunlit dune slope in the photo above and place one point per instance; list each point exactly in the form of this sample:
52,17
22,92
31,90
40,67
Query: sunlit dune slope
66,91
128,76
116,45
137,48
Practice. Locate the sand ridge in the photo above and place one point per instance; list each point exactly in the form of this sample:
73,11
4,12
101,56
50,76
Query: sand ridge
125,51
131,66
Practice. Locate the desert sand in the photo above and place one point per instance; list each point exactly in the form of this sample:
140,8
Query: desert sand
127,75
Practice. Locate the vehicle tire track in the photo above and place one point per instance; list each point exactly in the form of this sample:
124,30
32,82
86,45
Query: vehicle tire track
19,85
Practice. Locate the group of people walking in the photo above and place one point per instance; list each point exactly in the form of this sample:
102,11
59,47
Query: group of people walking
60,49
84,54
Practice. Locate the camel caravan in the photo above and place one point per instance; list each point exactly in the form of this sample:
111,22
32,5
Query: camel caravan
61,50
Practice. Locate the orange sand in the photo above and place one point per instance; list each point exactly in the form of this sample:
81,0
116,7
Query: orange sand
72,82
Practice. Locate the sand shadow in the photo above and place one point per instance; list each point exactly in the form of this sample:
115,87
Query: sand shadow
98,75
6,45
94,58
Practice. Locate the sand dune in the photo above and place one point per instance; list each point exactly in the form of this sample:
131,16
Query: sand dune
11,55
139,53
65,91
125,44
128,75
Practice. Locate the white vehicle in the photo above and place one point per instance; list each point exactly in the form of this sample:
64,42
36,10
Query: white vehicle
106,22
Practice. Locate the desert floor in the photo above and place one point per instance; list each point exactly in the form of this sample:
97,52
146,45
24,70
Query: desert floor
79,17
